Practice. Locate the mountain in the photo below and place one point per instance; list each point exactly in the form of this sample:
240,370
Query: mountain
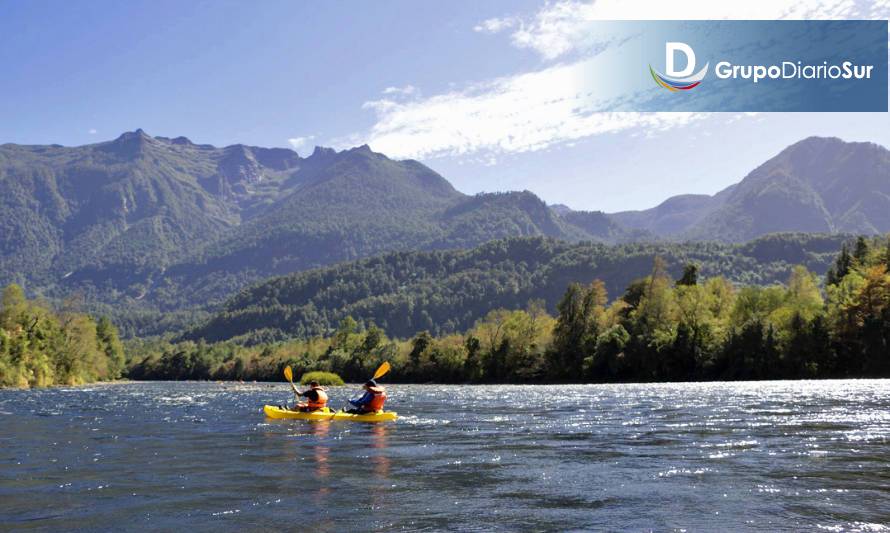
606,228
146,223
160,231
116,209
673,216
816,185
447,291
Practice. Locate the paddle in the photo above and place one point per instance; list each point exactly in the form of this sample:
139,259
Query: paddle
381,370
289,375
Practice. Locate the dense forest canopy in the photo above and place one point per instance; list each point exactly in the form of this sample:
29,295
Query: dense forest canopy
447,291
41,347
661,328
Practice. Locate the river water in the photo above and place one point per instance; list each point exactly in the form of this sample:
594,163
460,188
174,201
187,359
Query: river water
717,456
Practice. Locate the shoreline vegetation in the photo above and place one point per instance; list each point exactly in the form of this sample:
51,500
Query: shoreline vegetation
660,329
42,347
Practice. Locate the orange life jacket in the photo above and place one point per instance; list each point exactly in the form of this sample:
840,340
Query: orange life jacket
320,402
376,403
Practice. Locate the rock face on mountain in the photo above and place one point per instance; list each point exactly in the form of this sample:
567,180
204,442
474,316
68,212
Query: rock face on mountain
816,185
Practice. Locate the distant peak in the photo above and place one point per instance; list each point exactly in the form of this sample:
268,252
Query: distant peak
277,158
820,148
321,151
137,134
364,151
238,149
363,148
561,209
129,144
817,142
812,139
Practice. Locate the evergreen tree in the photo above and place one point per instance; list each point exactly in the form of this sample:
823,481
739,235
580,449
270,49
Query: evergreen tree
690,275
860,251
842,266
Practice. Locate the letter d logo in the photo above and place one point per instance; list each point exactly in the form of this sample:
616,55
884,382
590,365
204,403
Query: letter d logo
669,50
678,80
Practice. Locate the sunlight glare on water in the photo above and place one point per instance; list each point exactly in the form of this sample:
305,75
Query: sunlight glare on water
755,455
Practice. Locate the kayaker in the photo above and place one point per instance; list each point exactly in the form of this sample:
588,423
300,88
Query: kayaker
316,397
371,401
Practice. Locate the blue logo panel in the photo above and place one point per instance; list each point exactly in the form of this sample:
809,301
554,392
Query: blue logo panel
743,66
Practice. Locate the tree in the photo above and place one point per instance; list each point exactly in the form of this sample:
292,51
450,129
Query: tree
634,293
887,254
841,268
473,362
608,362
860,251
111,345
654,310
577,328
419,346
12,305
802,299
690,275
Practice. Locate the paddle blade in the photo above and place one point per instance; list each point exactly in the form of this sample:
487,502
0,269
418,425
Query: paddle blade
383,369
288,374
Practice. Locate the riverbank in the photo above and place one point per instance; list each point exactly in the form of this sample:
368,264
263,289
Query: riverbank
119,381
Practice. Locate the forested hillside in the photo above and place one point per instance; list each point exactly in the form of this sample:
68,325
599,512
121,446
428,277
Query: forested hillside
818,185
151,226
447,291
160,232
661,327
40,346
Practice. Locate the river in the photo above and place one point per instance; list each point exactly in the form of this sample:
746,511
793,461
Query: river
699,456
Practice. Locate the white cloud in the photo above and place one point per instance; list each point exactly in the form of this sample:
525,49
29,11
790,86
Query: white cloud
496,25
298,142
407,90
521,113
93,131
566,26
561,103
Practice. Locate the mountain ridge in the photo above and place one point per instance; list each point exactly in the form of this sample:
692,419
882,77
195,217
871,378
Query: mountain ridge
159,224
446,291
818,184
165,222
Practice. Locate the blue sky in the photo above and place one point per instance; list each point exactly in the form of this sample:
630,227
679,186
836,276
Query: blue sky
466,87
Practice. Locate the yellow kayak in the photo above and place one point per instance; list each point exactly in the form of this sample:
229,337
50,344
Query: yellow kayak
274,411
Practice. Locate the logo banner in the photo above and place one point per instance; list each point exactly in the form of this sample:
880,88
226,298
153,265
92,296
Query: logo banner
741,66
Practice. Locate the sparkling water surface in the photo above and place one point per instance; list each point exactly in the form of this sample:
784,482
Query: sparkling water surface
812,455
